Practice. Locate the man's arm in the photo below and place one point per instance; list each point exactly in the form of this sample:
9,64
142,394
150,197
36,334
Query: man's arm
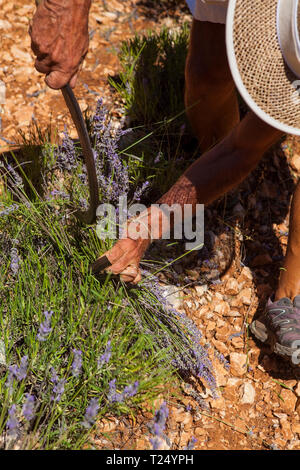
59,39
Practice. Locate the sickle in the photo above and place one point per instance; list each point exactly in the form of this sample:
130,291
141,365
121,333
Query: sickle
89,216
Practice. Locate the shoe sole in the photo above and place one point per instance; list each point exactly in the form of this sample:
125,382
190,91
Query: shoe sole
260,332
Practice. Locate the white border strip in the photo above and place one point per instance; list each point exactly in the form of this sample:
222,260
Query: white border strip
239,82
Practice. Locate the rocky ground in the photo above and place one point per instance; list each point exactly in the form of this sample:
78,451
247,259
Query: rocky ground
221,289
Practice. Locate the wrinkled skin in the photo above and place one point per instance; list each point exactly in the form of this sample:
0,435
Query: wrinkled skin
59,39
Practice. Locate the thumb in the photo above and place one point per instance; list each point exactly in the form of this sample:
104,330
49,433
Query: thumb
57,80
73,80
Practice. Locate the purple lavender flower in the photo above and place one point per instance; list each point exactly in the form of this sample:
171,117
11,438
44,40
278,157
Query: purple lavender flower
138,193
131,390
117,397
222,359
191,444
12,422
28,407
58,386
15,178
45,327
66,154
62,194
14,258
91,413
158,424
106,356
83,203
114,396
8,210
58,390
77,362
21,372
158,157
99,118
17,373
112,172
156,443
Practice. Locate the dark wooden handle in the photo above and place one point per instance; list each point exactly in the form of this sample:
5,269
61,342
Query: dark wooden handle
100,264
90,215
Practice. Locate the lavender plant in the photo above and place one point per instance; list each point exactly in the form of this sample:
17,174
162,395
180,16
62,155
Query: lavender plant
113,172
171,330
54,271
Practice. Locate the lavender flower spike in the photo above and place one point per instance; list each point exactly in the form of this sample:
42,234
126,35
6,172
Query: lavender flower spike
158,425
17,373
131,390
28,407
21,371
106,356
77,362
59,386
191,444
12,422
45,327
91,413
114,396
14,259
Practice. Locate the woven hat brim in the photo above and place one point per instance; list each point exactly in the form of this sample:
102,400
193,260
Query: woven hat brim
260,73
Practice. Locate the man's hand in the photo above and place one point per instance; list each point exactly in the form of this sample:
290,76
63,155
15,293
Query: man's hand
125,257
126,254
59,39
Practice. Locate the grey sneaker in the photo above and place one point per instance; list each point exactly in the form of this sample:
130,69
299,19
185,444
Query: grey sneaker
279,326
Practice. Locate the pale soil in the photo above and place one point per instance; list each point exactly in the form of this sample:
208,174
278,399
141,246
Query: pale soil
259,405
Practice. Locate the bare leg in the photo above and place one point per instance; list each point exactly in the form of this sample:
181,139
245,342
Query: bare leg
210,98
289,282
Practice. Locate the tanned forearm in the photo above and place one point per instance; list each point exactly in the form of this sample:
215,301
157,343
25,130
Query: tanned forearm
225,166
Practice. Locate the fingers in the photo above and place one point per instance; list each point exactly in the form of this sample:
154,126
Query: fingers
57,80
124,258
131,274
73,80
42,66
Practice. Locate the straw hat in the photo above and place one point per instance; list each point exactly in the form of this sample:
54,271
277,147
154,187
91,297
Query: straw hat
263,49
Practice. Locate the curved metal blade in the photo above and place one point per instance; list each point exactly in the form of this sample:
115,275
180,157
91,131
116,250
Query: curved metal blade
88,216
